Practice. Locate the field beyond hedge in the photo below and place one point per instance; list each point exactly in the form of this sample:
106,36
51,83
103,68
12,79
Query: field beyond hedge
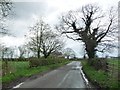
19,69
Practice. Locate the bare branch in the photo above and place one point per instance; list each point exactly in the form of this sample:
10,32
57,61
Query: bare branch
90,28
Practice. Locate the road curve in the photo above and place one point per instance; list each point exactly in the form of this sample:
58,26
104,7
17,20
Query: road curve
68,76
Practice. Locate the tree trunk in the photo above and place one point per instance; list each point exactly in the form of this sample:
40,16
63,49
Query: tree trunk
91,54
38,54
45,56
90,49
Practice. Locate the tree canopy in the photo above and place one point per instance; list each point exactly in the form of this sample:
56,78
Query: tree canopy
91,26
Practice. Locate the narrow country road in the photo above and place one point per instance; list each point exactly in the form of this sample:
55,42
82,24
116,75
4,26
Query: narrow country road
68,76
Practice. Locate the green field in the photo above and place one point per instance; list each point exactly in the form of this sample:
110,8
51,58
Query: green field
0,64
115,63
19,69
17,65
102,78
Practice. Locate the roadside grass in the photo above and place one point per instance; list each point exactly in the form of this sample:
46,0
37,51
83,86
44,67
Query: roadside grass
20,65
0,63
115,63
0,70
100,77
22,70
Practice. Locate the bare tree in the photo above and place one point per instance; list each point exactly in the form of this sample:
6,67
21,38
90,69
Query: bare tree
5,9
27,52
6,52
42,40
50,43
91,26
22,51
68,52
10,52
2,47
35,39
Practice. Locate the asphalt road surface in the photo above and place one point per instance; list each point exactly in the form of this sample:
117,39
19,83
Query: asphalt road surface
68,76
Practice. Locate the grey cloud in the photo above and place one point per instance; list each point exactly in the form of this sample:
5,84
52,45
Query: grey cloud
23,14
24,10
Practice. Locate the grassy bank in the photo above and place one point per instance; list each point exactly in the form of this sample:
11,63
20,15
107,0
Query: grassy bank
99,77
21,69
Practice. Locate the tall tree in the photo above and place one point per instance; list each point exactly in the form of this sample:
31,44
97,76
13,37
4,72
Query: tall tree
22,51
5,9
50,43
91,26
36,36
42,40
6,52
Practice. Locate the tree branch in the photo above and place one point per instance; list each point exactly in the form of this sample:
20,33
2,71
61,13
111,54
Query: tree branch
104,34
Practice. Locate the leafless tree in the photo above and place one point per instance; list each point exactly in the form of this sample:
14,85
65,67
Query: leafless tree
10,52
42,40
28,52
92,26
50,43
68,52
1,50
6,52
5,9
22,51
36,34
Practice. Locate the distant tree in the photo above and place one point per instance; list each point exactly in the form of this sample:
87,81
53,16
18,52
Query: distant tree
57,54
90,25
22,51
68,52
42,40
7,52
50,43
35,37
2,47
10,52
28,52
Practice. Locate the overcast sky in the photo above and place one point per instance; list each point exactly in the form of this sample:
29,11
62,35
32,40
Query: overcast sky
27,11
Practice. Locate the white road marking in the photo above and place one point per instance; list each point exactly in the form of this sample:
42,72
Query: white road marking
71,63
83,75
63,80
17,86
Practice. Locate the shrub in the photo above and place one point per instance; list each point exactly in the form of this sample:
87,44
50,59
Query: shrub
34,62
98,63
48,62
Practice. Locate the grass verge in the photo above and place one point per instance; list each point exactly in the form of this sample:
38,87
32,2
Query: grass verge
99,78
27,72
